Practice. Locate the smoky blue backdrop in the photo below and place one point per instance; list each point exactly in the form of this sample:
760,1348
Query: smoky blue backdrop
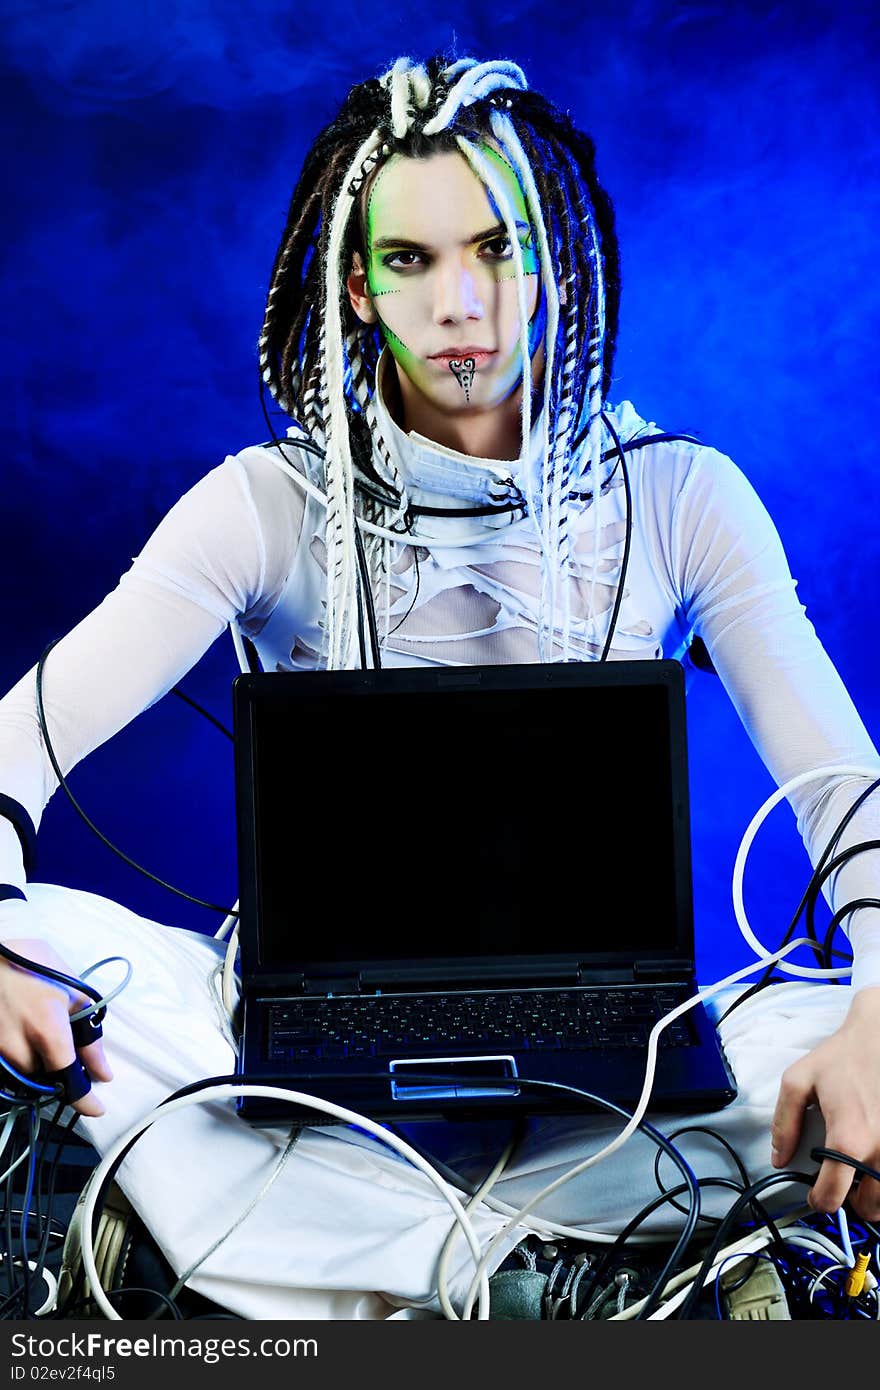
151,151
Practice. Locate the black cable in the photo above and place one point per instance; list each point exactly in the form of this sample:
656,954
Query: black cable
627,543
37,968
37,1197
836,863
188,897
53,1172
415,556
8,1242
761,1215
863,1169
717,1242
56,1232
831,867
719,1138
603,1265
30,1172
822,861
19,1292
71,1309
835,923
194,704
638,442
370,605
362,646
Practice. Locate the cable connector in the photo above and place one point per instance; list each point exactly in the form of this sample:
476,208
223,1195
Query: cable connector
855,1280
760,1299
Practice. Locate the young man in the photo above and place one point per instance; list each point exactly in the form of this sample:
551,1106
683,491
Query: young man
447,241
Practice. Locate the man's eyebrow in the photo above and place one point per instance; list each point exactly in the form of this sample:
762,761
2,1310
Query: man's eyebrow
384,243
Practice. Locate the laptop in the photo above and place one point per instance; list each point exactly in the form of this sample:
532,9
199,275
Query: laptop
455,883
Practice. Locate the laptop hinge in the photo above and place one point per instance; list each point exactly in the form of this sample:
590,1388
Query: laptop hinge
662,970
591,975
638,972
334,984
289,982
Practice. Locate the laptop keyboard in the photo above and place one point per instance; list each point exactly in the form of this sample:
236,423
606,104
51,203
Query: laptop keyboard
431,1024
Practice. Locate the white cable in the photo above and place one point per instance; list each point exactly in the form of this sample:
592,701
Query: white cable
641,1106
48,1279
818,1241
8,1122
542,1225
228,1092
845,1241
229,977
95,1004
227,924
33,1144
478,1197
835,770
238,643
822,1276
5,1137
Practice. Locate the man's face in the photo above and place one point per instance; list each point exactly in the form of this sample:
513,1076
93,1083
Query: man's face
441,278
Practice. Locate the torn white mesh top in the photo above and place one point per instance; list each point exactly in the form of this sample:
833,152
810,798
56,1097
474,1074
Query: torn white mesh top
246,544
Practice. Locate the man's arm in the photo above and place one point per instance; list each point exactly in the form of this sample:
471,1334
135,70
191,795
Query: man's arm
737,590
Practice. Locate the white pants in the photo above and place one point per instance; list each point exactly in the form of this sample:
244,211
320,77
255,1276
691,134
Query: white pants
349,1229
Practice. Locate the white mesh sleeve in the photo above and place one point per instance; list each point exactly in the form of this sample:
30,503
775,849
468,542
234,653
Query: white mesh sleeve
737,591
206,563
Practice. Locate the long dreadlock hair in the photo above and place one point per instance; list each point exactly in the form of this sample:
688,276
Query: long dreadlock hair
319,361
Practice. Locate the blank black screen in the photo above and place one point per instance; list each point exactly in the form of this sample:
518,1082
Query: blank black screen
457,823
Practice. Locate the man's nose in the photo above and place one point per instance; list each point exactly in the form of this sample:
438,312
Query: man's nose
457,295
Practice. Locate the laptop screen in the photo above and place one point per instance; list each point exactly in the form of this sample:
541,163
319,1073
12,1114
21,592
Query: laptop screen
530,812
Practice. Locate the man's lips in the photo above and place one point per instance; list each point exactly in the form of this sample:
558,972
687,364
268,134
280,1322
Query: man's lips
479,355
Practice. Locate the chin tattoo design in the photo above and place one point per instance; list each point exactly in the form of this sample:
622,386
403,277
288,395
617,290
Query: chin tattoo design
463,369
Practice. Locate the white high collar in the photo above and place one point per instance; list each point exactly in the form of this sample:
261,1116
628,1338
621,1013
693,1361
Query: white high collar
433,471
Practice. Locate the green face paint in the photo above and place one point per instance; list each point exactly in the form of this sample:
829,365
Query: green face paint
441,273
511,185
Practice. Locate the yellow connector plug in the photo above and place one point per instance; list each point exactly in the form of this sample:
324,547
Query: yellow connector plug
855,1280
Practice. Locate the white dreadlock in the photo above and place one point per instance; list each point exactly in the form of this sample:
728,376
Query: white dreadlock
552,472
342,577
479,80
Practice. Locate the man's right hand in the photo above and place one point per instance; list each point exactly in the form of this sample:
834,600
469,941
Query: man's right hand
35,1014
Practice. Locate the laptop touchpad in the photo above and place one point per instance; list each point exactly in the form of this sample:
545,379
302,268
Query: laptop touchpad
438,1078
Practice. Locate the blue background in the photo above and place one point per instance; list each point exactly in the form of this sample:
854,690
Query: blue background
151,154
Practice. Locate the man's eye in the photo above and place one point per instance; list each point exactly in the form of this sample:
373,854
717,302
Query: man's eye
499,248
398,260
